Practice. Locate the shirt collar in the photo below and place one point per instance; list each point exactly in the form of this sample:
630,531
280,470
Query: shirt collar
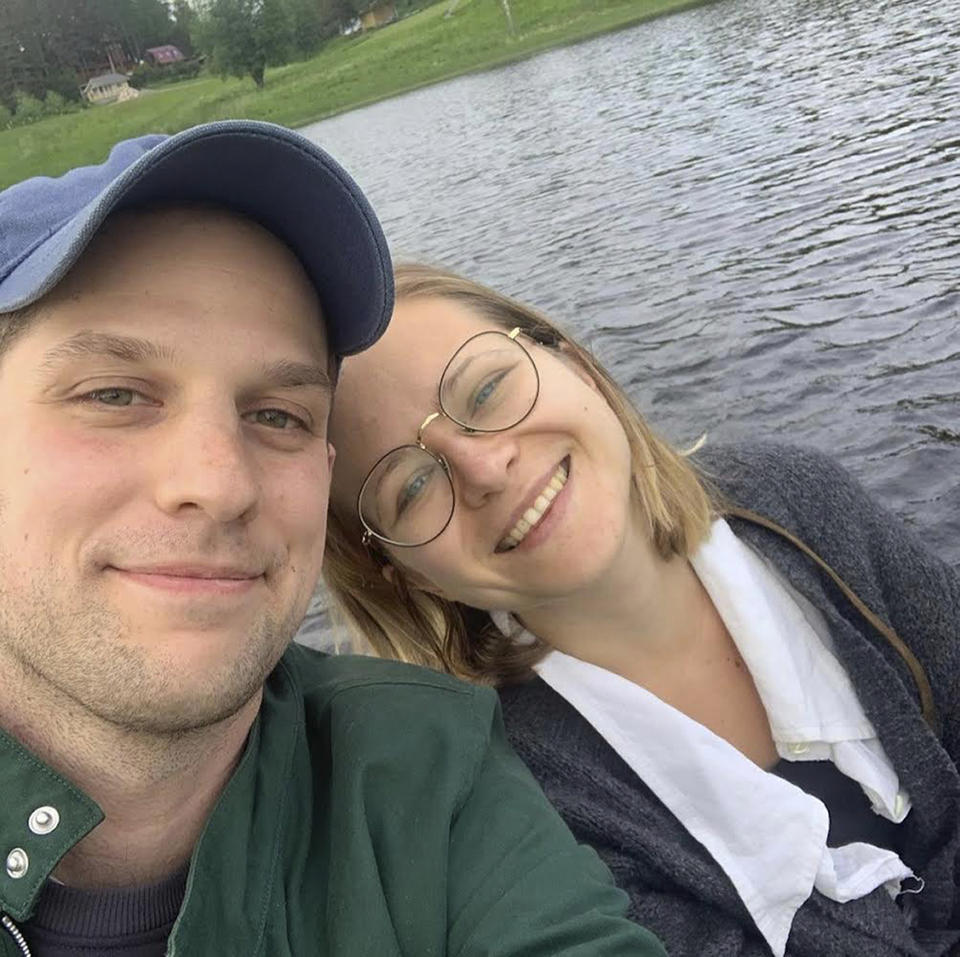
806,692
767,835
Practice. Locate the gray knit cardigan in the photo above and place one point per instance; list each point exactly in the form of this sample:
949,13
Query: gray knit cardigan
676,888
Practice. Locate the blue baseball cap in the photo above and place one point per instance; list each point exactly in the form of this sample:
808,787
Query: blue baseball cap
266,172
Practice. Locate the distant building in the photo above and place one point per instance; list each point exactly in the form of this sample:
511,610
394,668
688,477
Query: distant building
160,56
109,88
112,58
379,15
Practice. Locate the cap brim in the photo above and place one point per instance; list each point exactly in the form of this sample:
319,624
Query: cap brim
268,173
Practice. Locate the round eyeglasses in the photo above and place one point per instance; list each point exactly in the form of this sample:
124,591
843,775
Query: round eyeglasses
490,384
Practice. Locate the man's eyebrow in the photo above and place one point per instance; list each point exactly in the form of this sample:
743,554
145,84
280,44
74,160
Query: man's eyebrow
103,344
288,374
282,374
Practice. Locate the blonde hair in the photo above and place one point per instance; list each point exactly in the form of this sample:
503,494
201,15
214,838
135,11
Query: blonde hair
400,620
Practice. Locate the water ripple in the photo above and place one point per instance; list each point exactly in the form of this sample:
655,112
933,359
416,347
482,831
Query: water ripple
748,209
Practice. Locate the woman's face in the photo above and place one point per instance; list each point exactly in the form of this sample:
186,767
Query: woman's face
384,395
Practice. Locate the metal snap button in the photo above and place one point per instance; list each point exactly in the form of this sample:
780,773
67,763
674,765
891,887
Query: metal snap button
44,820
17,863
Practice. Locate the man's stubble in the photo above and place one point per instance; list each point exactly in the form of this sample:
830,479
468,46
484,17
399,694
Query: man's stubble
78,647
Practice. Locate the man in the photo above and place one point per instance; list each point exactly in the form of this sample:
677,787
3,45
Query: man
176,777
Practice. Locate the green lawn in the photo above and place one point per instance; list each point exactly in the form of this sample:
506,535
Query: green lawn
348,72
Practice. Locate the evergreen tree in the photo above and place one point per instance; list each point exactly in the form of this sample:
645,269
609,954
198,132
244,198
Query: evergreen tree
51,45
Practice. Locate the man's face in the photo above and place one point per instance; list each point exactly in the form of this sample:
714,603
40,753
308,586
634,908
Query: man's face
164,471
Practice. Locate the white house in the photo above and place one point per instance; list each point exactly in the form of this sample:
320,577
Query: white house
109,88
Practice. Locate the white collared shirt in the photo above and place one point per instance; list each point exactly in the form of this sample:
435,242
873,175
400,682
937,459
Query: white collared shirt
768,835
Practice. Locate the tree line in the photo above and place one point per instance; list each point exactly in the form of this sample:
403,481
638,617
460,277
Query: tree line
47,47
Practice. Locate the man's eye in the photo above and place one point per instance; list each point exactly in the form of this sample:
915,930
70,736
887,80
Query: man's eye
111,396
278,419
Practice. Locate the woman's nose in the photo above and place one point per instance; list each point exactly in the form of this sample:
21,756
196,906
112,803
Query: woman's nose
481,462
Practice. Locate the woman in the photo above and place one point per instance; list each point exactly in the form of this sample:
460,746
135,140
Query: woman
735,675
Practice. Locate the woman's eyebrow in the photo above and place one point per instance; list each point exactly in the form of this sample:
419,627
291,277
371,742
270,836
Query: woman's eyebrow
451,379
392,466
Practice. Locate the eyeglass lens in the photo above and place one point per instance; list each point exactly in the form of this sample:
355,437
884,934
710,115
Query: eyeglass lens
489,385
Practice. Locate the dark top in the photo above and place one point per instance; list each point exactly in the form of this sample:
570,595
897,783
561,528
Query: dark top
852,818
124,922
676,888
376,811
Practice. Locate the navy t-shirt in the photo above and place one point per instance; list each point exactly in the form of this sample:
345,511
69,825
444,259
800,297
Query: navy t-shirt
851,817
122,922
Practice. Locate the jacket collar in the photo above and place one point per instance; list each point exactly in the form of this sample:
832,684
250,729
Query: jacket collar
43,816
235,857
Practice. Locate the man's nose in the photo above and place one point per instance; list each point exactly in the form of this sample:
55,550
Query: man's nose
204,462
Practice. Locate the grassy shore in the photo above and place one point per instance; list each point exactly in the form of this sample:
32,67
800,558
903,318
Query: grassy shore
348,72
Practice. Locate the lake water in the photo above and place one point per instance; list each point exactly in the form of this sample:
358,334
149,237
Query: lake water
750,210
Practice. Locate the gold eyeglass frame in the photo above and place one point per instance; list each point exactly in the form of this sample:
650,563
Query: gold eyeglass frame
370,538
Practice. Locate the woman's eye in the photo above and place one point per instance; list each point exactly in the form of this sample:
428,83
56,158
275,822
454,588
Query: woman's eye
278,419
412,489
487,389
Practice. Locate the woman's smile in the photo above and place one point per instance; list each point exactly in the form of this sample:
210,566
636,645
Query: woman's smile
534,511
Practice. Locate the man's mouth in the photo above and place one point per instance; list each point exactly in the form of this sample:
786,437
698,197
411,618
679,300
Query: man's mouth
535,512
189,578
195,570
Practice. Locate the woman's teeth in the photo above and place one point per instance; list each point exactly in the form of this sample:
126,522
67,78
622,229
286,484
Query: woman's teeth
536,511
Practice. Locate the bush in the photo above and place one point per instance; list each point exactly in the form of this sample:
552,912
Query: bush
143,75
28,108
54,104
147,73
64,83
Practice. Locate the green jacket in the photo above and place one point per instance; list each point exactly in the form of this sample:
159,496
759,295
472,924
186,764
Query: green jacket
377,810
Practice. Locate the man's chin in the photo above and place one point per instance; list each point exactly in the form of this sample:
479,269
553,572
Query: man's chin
198,680
164,710
142,669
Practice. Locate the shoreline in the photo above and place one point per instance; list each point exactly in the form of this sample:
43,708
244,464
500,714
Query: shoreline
423,49
668,8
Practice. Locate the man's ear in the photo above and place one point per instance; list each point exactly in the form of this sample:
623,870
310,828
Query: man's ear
331,455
